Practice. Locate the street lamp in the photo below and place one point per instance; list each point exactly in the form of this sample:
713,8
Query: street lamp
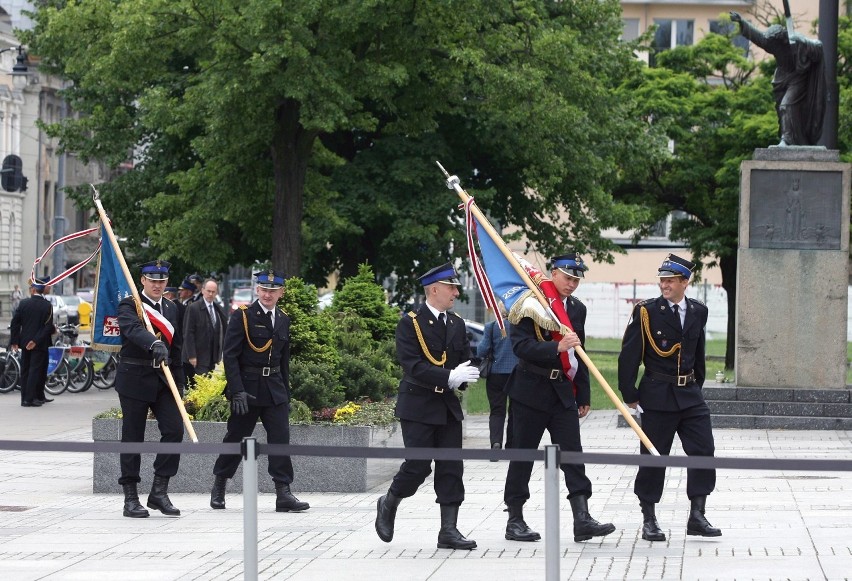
20,70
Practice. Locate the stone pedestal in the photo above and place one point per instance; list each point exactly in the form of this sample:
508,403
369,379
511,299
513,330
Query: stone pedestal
792,272
312,473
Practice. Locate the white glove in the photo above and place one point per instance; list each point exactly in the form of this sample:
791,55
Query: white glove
463,374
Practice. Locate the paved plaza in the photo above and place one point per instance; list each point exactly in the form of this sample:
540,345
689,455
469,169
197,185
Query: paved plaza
776,525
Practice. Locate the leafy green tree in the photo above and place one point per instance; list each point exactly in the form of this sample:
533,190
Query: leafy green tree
712,104
263,124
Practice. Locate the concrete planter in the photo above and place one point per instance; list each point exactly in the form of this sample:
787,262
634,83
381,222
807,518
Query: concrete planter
312,474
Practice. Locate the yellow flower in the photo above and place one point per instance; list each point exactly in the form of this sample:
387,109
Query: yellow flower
345,412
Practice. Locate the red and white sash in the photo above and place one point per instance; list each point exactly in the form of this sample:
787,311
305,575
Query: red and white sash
160,323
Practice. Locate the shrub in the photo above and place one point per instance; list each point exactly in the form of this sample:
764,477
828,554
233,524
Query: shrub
299,412
365,298
208,392
315,384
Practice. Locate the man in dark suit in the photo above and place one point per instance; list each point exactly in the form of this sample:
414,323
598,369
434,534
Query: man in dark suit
433,349
666,334
545,398
31,329
203,331
257,369
142,386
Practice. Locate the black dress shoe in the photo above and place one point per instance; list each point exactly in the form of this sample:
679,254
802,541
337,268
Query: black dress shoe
30,404
44,401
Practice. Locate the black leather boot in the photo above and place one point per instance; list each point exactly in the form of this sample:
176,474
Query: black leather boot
217,495
285,501
159,497
517,529
650,529
386,515
132,508
585,527
697,524
449,536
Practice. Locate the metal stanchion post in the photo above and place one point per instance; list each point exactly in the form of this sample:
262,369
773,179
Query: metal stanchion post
249,451
551,512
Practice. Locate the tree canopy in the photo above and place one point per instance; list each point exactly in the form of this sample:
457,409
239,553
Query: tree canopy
307,131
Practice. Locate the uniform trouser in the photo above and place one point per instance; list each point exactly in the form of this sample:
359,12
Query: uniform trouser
276,422
529,425
33,374
494,388
693,427
449,488
135,413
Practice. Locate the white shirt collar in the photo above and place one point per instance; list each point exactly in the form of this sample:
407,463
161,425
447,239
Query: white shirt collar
681,305
150,300
435,312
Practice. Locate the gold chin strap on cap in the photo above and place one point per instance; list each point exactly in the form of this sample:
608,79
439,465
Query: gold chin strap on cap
646,328
429,356
248,339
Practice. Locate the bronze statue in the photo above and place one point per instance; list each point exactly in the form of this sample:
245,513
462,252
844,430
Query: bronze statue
799,81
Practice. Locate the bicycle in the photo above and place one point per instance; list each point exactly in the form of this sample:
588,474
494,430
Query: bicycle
81,370
11,374
104,377
58,372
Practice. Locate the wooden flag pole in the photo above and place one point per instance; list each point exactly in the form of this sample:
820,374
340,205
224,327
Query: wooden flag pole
141,311
454,184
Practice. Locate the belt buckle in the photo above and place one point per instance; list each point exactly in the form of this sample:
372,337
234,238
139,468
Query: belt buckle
554,374
155,365
265,371
439,389
681,380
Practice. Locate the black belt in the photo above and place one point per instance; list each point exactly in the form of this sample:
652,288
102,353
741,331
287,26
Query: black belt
264,371
680,380
424,385
554,374
135,361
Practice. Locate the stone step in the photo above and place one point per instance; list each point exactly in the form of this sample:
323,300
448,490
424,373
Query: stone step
784,408
776,394
772,422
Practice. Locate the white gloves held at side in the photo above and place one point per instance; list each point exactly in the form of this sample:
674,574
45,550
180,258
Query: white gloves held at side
464,373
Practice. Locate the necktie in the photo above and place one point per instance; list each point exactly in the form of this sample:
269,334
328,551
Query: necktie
269,316
676,310
212,314
442,325
157,307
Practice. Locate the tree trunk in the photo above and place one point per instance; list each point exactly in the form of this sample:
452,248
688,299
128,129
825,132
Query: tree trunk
290,151
728,265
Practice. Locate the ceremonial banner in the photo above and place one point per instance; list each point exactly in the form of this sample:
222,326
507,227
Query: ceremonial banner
110,288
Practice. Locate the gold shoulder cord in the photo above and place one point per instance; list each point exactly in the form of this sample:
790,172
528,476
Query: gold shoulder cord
425,349
538,334
646,328
252,345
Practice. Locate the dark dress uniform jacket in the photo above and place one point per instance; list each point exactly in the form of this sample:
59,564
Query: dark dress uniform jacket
419,401
655,393
539,349
33,321
244,366
142,382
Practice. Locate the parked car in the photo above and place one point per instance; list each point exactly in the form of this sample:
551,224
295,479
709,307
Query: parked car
241,296
61,313
87,294
475,331
79,310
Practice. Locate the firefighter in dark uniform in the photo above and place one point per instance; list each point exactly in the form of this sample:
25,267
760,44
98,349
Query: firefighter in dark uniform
256,354
433,349
142,385
666,334
543,398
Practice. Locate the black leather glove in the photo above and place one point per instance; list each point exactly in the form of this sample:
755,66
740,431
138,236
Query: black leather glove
160,352
239,403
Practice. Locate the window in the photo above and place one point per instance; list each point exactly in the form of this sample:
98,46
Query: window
671,33
630,29
725,28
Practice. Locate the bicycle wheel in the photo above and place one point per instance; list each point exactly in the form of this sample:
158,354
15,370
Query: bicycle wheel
105,376
57,382
11,374
81,375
